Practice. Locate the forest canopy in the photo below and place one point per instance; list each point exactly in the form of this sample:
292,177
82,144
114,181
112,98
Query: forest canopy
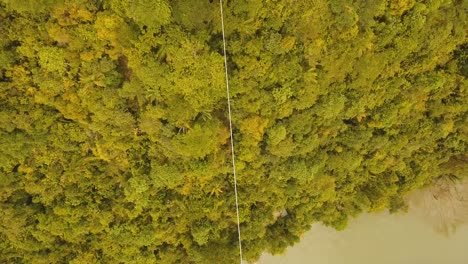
114,133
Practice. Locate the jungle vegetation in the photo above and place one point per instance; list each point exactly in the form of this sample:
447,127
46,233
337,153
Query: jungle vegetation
114,137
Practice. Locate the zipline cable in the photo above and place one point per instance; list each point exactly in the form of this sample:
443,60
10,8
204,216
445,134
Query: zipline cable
233,156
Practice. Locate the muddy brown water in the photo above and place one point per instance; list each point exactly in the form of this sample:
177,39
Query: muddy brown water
434,231
378,238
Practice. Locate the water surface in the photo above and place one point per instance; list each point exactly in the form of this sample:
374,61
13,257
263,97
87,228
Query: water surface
379,238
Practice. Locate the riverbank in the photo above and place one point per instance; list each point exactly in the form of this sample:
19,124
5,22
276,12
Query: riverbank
424,235
380,238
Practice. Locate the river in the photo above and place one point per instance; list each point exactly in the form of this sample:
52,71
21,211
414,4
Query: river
378,238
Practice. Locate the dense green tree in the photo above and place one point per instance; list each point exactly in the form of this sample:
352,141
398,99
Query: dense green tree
114,136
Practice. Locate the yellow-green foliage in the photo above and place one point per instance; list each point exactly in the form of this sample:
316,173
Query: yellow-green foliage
114,138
